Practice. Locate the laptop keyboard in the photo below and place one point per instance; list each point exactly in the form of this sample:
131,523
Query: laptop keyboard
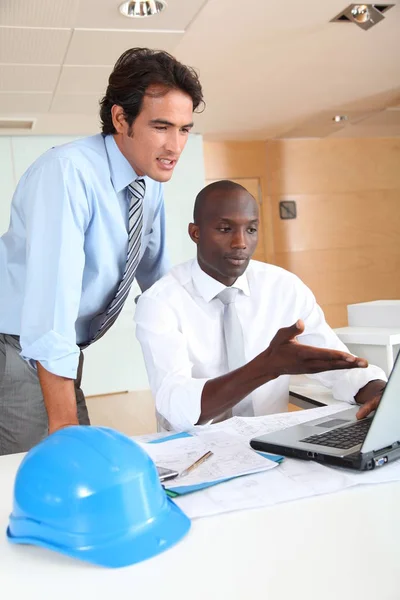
342,437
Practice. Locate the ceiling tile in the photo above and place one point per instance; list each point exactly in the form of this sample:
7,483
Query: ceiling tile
24,78
262,18
365,131
38,13
177,16
322,125
382,124
30,46
84,80
274,70
387,118
264,71
83,104
24,104
105,47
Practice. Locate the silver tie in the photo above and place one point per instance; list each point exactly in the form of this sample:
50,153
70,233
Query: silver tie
234,345
102,322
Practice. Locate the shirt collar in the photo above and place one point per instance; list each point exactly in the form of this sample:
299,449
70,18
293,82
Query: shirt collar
121,171
208,287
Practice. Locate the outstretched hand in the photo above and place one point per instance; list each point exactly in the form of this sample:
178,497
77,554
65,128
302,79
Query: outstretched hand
286,356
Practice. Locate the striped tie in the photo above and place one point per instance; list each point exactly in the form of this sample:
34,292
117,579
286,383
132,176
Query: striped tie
104,321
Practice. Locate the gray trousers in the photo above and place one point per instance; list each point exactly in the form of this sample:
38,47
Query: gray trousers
23,416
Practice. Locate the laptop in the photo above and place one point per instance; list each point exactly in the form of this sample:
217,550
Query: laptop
342,440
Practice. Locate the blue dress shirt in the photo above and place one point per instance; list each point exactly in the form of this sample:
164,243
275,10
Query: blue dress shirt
65,251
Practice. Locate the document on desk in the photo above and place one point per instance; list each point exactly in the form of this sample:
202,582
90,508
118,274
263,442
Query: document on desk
294,479
231,458
249,427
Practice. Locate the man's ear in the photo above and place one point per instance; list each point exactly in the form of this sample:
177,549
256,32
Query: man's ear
118,118
194,232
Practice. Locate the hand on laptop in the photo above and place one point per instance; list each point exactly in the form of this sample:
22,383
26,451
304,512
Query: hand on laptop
286,356
369,396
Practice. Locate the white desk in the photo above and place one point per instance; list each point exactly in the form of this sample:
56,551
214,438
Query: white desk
308,393
338,547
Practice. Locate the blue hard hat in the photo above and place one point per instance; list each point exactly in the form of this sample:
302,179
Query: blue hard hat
94,494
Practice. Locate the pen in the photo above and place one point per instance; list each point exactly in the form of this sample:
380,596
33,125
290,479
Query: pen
197,463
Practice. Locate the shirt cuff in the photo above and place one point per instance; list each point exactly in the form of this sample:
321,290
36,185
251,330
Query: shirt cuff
347,387
54,352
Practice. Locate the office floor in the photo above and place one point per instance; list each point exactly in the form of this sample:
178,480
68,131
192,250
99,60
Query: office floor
130,412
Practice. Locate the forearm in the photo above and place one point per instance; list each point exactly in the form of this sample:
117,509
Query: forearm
284,356
224,392
59,399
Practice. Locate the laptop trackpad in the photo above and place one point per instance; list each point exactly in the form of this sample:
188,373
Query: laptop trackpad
331,423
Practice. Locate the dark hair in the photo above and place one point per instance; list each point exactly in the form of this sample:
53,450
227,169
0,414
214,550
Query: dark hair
136,70
224,185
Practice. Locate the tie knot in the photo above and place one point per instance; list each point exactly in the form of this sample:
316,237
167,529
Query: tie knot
137,188
228,295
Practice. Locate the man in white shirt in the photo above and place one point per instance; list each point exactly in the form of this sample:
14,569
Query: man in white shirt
183,326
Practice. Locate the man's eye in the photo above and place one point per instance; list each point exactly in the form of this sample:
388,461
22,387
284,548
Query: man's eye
185,130
224,229
161,127
252,230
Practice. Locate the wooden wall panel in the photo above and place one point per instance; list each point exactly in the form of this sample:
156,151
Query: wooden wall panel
243,160
345,242
335,314
341,276
234,159
347,220
332,165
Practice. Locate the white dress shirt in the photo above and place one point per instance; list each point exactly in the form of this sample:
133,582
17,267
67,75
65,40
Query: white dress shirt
179,324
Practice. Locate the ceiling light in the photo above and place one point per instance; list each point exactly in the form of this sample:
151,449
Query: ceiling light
339,118
363,15
137,9
360,13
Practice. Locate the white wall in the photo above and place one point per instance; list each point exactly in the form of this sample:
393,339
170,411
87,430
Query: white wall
7,182
115,362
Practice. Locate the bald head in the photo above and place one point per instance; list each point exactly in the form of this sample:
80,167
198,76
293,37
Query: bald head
214,197
225,229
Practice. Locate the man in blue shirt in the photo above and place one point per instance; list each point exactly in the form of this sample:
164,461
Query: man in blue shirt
86,218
